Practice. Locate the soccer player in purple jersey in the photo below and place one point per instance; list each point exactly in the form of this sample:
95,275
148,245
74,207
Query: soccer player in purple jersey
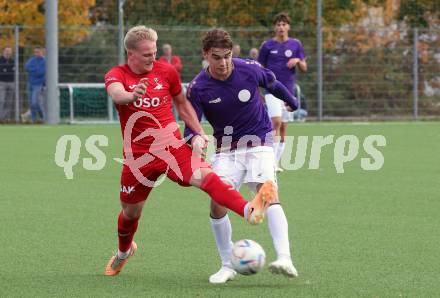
282,55
227,93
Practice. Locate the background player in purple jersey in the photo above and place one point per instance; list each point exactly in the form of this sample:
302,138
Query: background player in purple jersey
227,93
282,55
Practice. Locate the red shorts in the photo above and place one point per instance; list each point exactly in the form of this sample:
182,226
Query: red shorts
178,164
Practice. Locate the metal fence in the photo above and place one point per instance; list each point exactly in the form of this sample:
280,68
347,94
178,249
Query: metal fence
368,73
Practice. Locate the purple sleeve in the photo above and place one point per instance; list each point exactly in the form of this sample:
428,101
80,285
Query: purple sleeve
265,77
262,55
195,102
281,92
300,53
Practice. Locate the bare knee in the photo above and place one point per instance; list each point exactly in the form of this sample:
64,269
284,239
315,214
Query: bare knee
276,123
198,176
132,211
283,128
217,211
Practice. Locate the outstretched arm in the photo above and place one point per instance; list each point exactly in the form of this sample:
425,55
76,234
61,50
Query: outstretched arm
267,80
120,96
281,92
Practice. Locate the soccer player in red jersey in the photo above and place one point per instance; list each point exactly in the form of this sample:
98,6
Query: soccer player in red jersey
143,91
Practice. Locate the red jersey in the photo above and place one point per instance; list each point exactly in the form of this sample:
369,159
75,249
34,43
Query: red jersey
162,83
175,61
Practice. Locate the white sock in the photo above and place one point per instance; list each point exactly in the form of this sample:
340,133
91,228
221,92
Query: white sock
246,210
279,230
280,150
275,150
222,230
123,255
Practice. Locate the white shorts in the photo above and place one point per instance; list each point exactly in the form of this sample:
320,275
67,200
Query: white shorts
251,166
277,108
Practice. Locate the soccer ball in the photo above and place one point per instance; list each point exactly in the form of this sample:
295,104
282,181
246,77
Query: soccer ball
248,257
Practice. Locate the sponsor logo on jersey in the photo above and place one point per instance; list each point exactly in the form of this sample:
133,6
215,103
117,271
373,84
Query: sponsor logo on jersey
108,79
274,52
147,83
217,100
252,62
127,189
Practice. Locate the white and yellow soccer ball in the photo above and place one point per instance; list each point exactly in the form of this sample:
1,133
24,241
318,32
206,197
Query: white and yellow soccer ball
247,257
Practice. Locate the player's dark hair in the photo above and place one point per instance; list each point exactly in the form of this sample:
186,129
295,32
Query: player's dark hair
281,17
216,38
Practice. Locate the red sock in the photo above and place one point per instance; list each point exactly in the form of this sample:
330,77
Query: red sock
223,193
126,230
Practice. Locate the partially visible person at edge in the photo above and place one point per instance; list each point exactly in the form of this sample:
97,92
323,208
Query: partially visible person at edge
7,85
283,55
168,57
36,69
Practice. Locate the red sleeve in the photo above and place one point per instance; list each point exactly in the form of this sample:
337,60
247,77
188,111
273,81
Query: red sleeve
174,80
112,76
177,63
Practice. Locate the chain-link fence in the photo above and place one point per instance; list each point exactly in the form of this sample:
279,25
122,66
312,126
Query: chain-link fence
381,73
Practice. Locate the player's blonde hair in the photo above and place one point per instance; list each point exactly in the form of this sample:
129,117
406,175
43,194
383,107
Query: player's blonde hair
138,33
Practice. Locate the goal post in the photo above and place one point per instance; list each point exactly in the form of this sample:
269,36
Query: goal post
85,103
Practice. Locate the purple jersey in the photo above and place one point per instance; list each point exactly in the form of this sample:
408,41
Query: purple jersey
234,102
275,55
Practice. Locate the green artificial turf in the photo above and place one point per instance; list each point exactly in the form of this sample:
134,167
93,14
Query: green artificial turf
356,234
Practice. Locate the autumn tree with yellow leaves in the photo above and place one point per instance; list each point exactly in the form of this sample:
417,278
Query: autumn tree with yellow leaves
29,15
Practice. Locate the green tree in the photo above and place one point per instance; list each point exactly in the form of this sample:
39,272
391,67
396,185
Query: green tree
418,13
225,13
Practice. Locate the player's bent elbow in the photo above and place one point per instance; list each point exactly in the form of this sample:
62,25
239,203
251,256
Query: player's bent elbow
116,99
120,98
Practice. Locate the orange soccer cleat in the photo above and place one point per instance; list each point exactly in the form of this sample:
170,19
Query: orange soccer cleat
115,265
258,206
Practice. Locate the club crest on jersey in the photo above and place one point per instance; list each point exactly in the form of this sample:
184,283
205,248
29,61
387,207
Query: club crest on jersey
244,95
158,86
288,53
